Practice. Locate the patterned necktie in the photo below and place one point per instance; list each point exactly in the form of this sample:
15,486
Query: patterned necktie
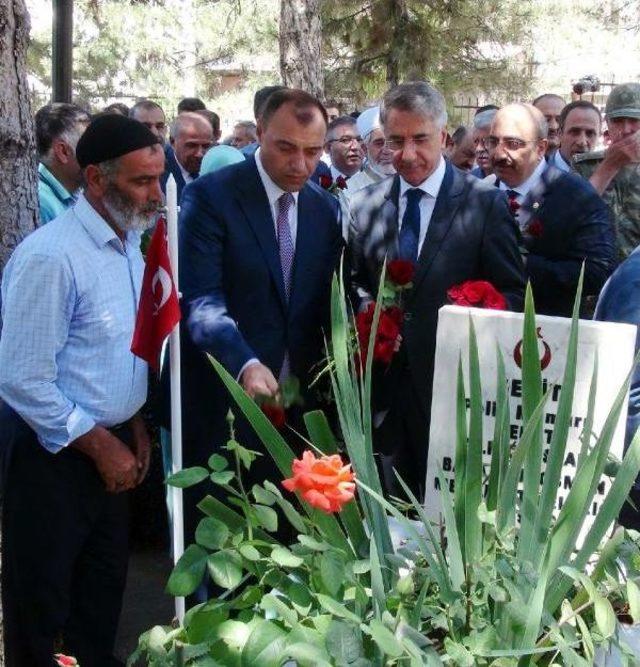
514,204
409,239
285,240
287,252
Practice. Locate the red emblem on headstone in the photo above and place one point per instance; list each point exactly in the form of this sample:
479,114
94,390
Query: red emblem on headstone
546,356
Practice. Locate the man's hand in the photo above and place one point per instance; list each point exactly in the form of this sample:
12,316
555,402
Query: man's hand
141,446
258,380
619,154
116,464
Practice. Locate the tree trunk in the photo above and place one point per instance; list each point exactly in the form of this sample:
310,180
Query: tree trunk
398,18
18,175
301,46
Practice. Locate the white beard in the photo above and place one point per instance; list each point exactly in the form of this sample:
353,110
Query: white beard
124,215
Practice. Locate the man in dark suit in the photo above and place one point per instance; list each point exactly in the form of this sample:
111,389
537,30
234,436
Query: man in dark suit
190,137
258,248
455,228
562,219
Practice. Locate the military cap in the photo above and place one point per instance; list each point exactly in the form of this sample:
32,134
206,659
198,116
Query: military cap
624,101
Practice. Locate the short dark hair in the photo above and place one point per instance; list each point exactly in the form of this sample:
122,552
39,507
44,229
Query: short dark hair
212,117
301,101
578,104
338,122
191,104
117,107
459,134
261,96
55,120
145,105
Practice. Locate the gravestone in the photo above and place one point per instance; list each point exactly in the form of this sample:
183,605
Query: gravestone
613,343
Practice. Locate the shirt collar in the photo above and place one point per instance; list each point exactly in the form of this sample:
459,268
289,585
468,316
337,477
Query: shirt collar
95,225
560,162
60,191
523,189
274,192
431,184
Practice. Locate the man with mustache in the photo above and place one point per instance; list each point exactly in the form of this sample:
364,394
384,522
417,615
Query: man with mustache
580,128
72,390
550,106
481,128
259,245
562,219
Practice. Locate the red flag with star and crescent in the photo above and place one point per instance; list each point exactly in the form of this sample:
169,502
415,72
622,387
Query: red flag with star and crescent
159,309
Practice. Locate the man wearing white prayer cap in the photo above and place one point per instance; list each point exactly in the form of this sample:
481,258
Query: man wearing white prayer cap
378,163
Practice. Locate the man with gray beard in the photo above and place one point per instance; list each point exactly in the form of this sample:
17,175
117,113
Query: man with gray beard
73,440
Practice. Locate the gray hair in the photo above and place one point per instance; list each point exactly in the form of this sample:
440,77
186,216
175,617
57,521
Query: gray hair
484,119
416,97
249,127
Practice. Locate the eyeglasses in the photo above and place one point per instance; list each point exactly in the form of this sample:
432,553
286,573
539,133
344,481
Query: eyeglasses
346,140
397,144
377,143
510,143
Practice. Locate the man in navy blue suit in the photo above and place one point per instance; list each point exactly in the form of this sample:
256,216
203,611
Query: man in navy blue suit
455,228
562,219
259,245
191,136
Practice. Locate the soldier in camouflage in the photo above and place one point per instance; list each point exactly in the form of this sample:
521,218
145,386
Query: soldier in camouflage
615,172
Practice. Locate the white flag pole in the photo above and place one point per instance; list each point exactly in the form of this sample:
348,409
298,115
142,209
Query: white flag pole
176,405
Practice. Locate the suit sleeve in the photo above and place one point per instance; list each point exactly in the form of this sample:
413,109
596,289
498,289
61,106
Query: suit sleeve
202,244
591,241
501,259
360,289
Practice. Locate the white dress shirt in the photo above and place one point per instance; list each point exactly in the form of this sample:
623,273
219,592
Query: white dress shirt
523,189
274,192
560,162
430,186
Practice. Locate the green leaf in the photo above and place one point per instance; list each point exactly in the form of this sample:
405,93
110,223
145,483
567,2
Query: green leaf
249,552
222,478
264,646
361,566
300,597
335,608
267,517
274,604
458,653
461,457
384,638
312,543
344,642
332,571
183,479
225,568
188,572
633,596
211,533
218,462
305,655
286,558
263,496
292,515
246,456
605,617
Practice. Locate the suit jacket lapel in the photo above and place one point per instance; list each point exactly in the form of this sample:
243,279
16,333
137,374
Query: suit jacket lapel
447,203
253,201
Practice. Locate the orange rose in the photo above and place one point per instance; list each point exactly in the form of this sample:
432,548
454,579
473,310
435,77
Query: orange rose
325,482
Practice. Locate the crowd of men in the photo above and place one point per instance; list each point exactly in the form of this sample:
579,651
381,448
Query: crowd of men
528,192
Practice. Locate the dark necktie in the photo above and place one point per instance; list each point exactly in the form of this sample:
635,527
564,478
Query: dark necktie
514,204
286,249
409,238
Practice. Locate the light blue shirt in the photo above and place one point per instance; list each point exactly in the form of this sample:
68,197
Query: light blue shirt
69,299
53,197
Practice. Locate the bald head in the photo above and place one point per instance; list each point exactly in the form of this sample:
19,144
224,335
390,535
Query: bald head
191,137
517,142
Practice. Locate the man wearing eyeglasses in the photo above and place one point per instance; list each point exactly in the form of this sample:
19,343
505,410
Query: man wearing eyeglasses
344,146
454,228
562,220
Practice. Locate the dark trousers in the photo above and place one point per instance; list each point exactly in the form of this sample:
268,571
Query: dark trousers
64,557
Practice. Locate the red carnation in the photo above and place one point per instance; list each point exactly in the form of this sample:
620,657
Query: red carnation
535,228
275,414
477,293
401,271
325,181
341,182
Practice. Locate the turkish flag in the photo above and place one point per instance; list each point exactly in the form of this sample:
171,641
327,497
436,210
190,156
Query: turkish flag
159,310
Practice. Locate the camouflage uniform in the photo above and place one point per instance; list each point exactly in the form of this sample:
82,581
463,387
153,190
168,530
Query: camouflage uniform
623,193
622,196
